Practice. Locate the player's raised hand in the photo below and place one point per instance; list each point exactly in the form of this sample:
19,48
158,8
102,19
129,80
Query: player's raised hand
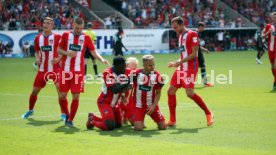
71,53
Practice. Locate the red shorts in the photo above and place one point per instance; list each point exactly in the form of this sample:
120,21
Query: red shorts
128,109
185,79
43,77
109,113
73,81
272,57
140,113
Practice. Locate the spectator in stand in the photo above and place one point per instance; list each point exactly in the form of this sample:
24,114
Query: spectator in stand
28,14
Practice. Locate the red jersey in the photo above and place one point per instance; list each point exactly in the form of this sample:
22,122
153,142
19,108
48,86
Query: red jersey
186,41
48,46
77,43
271,37
110,78
145,87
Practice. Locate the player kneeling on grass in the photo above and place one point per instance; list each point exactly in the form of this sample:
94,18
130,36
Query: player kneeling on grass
116,82
147,85
126,103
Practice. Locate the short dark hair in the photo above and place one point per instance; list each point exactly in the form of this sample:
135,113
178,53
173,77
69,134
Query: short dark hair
178,19
79,21
201,24
119,60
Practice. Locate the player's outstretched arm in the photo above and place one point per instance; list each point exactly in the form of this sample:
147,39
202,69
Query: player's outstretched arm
205,50
99,57
116,88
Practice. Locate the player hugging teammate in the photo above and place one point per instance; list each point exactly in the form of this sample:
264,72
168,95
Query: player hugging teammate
136,91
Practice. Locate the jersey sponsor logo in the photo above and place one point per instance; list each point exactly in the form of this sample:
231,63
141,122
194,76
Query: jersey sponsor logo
144,88
195,40
46,48
73,47
274,33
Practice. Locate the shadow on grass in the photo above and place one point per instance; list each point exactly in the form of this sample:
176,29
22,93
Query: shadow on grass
199,88
128,131
66,130
34,122
272,91
181,130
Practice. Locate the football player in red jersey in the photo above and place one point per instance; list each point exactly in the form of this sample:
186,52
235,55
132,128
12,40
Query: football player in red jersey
270,33
185,74
72,47
116,82
45,44
147,87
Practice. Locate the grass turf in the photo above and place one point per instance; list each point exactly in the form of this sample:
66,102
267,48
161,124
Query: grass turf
245,114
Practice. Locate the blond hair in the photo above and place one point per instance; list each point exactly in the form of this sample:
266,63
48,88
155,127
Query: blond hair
147,58
132,60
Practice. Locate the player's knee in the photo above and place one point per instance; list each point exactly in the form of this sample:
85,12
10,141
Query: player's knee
62,96
138,128
110,124
35,91
190,94
170,91
162,127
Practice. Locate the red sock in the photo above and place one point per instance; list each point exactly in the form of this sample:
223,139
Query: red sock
73,110
60,104
100,124
274,74
32,101
201,104
64,106
172,107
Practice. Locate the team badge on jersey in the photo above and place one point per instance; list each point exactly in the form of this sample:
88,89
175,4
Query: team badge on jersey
51,42
81,41
195,40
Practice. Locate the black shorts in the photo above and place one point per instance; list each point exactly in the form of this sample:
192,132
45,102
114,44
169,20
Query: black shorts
201,61
87,54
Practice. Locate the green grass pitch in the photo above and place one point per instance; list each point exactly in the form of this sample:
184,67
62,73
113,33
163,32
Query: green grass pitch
245,114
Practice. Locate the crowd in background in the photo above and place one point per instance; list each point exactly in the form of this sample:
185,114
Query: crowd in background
28,14
258,11
158,13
